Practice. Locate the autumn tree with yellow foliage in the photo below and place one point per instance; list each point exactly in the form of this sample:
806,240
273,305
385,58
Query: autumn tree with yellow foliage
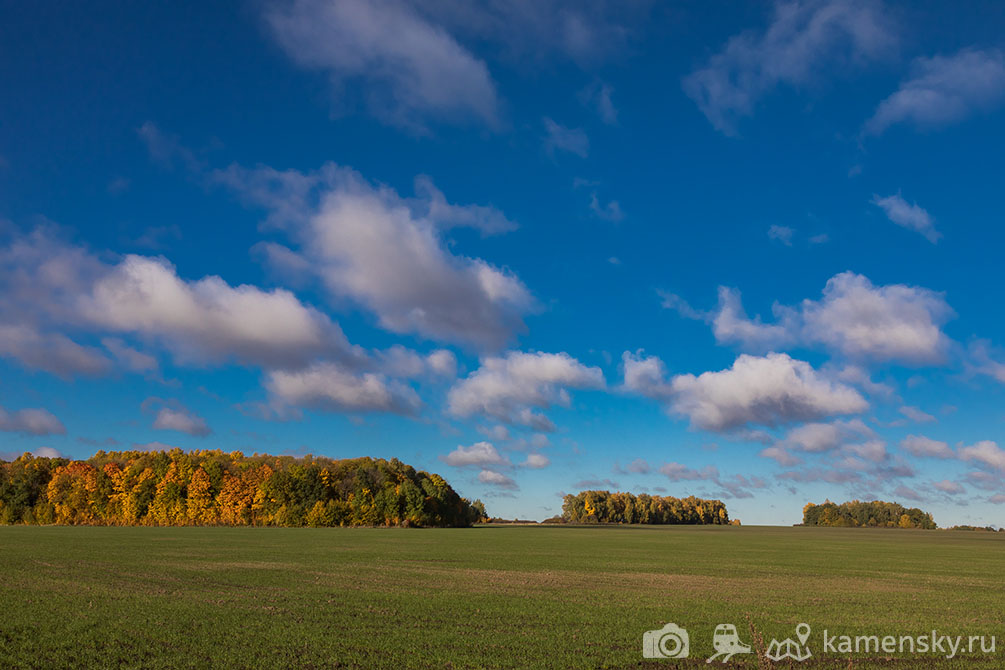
176,488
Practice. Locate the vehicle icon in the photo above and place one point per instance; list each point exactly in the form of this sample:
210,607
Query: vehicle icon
726,642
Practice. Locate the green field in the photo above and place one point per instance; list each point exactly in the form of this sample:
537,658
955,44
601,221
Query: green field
514,597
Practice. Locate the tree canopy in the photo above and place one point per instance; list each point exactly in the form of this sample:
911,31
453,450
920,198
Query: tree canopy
607,507
877,514
215,488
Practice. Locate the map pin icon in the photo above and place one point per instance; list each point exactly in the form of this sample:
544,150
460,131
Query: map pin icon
803,631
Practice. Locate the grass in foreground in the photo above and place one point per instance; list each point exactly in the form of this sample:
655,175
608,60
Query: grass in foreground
508,597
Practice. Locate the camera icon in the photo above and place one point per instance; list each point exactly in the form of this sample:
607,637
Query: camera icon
671,641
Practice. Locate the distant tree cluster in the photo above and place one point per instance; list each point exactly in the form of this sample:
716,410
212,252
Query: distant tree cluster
607,507
980,529
876,514
176,488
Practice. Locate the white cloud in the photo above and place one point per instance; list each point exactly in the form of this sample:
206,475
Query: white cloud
41,274
677,472
985,452
53,352
409,68
598,96
780,455
943,90
853,318
326,386
871,450
770,390
796,48
878,322
983,363
947,486
908,215
497,479
509,388
645,376
925,447
31,421
399,361
609,212
781,233
731,325
908,493
387,254
916,415
484,218
130,358
208,320
479,454
560,138
637,467
181,420
523,30
536,461
821,437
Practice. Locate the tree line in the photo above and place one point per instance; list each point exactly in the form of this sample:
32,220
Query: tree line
176,488
607,507
876,514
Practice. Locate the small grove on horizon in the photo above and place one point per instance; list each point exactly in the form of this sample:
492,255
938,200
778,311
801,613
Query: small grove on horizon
210,487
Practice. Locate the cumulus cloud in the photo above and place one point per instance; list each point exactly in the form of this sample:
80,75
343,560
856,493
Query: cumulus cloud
327,386
820,437
559,138
409,68
479,454
130,358
802,41
942,90
509,388
181,420
982,362
770,390
908,215
208,320
853,318
52,352
637,467
780,455
926,447
399,361
986,453
731,325
893,322
497,479
41,274
947,486
677,472
31,421
536,461
387,253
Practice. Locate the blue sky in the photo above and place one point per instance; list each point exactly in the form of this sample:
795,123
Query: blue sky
746,251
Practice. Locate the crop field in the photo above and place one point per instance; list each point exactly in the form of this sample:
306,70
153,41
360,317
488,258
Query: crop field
485,597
